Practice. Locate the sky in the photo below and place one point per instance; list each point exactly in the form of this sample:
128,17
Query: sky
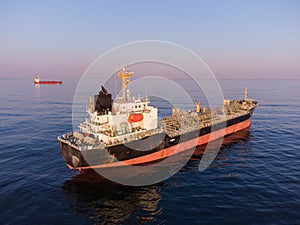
237,39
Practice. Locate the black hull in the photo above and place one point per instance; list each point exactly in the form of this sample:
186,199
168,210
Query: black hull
75,158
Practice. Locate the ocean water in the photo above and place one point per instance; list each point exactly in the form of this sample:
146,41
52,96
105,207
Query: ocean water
255,178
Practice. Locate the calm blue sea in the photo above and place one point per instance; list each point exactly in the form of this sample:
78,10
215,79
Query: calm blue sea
255,179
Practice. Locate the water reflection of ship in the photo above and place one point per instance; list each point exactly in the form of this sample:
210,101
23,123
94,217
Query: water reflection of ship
105,202
37,90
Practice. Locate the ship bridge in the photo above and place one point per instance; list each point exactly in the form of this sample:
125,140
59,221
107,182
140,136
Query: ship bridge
123,116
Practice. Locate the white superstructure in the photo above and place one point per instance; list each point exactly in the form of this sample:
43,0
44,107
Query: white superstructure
127,119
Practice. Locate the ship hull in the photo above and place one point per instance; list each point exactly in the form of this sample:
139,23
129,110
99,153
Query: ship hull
121,155
48,82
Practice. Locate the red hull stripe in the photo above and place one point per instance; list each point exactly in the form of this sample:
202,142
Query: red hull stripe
181,147
48,82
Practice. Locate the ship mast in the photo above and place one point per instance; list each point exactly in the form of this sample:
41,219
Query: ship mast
124,74
246,93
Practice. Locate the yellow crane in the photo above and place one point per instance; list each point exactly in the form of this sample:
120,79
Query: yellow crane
124,74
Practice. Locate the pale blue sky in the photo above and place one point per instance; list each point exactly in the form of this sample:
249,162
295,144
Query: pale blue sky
238,39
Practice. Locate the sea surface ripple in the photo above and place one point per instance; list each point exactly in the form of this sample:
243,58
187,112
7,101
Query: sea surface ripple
255,178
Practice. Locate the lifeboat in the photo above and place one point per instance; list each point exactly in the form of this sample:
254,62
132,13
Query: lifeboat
135,117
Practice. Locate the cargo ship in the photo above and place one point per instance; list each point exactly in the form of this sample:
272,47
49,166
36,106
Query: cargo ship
128,130
38,81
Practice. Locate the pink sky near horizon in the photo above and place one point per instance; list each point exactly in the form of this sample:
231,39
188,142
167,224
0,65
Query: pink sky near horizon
238,40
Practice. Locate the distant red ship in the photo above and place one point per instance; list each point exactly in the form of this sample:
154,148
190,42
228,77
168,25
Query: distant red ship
38,81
